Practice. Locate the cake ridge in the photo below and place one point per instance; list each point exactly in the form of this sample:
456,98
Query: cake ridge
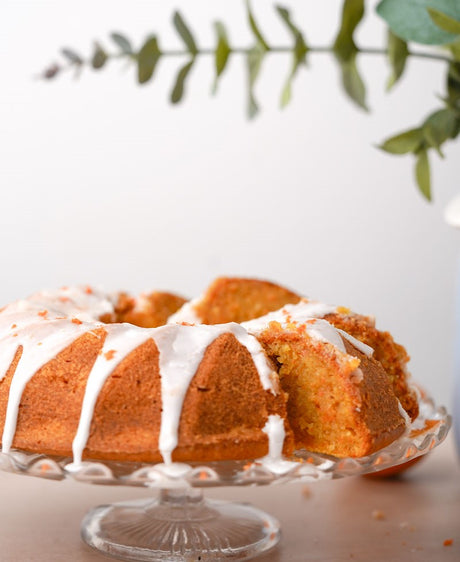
42,333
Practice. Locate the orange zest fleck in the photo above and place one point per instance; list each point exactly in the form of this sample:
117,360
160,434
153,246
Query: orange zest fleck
429,424
14,326
88,290
43,313
203,475
448,542
76,321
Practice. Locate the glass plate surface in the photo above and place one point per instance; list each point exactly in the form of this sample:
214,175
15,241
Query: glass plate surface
425,433
180,525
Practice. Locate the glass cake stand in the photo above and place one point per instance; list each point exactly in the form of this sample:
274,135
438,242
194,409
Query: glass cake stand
180,525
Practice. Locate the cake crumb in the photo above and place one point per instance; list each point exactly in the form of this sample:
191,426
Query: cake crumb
306,492
110,354
378,515
448,542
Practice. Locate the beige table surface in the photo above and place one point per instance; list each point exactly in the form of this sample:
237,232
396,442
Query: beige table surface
328,520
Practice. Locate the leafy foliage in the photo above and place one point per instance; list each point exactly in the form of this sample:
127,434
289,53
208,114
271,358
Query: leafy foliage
345,50
223,50
300,51
147,60
431,22
185,33
397,56
410,19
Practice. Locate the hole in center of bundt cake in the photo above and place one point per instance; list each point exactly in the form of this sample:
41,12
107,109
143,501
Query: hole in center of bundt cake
146,311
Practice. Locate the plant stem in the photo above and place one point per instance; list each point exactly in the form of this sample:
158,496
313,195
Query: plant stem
319,49
273,49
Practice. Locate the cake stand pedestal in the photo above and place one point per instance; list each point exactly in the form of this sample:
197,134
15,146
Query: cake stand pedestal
180,525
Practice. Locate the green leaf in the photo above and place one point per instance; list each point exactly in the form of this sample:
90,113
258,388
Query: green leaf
397,55
440,126
255,28
255,58
123,43
300,47
409,141
353,83
352,14
300,51
422,173
99,57
72,56
222,52
444,22
178,90
286,93
345,51
409,19
147,59
185,33
453,84
455,50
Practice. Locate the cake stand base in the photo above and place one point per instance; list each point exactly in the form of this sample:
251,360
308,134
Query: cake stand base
180,525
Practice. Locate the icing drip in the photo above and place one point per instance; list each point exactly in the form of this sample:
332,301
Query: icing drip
181,350
291,313
274,428
308,314
47,323
187,313
360,346
121,340
39,344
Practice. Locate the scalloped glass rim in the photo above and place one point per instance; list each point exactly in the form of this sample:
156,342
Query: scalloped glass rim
425,433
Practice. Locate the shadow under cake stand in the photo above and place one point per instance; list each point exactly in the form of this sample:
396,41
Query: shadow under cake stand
180,525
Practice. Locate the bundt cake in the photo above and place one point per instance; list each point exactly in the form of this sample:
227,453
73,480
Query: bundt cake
247,370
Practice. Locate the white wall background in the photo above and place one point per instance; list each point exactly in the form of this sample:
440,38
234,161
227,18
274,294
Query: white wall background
103,182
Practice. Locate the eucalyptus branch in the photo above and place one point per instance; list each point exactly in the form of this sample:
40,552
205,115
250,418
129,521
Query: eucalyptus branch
417,24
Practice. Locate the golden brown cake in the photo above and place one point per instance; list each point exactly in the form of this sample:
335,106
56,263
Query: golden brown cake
74,385
240,299
147,310
235,299
339,401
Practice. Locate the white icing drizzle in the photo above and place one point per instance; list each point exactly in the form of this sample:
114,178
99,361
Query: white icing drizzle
360,346
39,344
187,313
405,416
120,341
291,313
309,314
181,350
47,323
274,428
